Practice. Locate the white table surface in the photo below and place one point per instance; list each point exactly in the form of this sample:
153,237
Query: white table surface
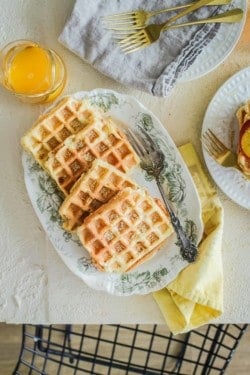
35,285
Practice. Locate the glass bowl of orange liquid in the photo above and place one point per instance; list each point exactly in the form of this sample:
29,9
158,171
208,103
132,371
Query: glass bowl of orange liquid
31,72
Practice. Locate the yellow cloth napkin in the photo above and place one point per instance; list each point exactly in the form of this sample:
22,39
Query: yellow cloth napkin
196,295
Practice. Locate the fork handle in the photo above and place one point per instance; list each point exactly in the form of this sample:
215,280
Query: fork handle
234,15
190,9
188,249
177,7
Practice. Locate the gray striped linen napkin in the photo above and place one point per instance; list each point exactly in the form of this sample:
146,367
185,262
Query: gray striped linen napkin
154,69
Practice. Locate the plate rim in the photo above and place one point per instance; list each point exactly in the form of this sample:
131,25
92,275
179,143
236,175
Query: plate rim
207,158
186,77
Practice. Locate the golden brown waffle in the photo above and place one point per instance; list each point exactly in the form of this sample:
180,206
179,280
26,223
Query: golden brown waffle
76,154
243,116
51,129
126,231
97,186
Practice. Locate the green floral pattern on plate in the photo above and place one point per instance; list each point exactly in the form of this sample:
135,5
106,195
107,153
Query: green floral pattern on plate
46,199
103,101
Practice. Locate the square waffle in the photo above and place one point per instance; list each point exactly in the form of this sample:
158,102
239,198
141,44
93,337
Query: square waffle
76,154
101,182
51,129
126,231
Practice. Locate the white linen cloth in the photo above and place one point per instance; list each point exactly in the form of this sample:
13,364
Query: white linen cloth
154,69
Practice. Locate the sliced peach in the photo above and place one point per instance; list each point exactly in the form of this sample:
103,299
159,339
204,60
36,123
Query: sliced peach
245,139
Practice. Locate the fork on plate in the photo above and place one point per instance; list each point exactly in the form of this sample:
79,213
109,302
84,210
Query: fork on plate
152,161
218,151
135,19
151,33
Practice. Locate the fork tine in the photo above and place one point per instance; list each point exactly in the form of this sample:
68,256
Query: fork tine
217,141
210,151
213,145
135,143
127,27
134,36
146,141
149,139
120,15
120,19
209,146
141,46
122,26
134,44
127,47
132,47
128,23
143,143
120,36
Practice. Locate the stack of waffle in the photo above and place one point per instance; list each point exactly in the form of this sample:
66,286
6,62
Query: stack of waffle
93,188
118,222
51,129
126,231
76,154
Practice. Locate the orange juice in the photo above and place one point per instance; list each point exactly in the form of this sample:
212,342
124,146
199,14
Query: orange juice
30,71
33,73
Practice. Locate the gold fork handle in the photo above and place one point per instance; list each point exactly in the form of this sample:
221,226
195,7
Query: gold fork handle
190,9
177,7
234,15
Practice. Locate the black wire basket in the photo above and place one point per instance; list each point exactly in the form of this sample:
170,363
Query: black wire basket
126,349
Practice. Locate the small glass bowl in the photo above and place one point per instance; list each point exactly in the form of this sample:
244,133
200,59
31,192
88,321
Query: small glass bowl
58,72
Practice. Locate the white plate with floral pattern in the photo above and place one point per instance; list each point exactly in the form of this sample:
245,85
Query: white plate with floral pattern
217,50
220,117
167,263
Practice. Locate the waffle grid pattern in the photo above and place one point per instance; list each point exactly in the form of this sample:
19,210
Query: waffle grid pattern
91,190
126,231
76,154
67,118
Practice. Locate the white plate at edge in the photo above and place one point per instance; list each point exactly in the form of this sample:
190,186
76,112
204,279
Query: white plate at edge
218,49
220,117
167,263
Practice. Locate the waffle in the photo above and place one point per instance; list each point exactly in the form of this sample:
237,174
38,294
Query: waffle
76,154
126,231
243,116
101,182
51,129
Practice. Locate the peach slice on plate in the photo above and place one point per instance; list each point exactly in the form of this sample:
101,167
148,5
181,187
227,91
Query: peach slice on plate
244,148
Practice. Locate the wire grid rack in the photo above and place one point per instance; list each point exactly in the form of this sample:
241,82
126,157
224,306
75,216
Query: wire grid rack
126,349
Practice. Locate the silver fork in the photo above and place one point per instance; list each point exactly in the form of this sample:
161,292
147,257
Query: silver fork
152,161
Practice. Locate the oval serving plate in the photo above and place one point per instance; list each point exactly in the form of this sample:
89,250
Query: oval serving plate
167,263
220,117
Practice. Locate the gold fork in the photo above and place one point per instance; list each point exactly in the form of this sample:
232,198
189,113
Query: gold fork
218,151
151,33
138,18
